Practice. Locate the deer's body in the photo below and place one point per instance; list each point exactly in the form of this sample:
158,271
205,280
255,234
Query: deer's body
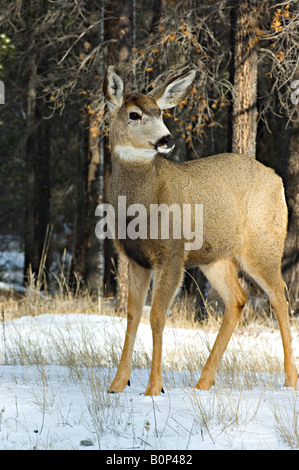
231,189
244,224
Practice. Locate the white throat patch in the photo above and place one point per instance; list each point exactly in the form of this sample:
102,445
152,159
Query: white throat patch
131,154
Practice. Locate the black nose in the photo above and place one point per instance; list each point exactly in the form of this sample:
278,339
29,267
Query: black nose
167,140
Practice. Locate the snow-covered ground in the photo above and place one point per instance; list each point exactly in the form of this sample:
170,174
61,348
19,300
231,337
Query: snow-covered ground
56,370
11,265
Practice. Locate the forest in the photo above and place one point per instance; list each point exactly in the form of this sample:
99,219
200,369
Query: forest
54,133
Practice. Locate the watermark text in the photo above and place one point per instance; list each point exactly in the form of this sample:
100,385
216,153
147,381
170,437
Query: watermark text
159,221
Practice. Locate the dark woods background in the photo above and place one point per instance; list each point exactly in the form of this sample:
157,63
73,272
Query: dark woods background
54,151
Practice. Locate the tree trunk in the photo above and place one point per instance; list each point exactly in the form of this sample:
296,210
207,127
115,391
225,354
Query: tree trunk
125,34
92,246
78,260
86,259
86,263
245,80
42,200
291,258
158,10
37,211
29,170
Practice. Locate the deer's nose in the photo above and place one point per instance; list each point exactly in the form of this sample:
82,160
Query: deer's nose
167,141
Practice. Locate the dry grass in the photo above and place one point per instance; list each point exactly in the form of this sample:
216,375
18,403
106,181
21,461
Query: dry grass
63,300
57,297
287,424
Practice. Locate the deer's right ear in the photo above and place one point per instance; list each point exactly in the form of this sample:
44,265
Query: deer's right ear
114,88
172,92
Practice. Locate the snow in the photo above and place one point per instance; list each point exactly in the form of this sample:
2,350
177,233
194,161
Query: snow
56,370
11,266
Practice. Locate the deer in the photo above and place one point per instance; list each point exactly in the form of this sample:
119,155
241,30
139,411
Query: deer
244,225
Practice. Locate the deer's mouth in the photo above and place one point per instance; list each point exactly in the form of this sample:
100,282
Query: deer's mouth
164,150
166,144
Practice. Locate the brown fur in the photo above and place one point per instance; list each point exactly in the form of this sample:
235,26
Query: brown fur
245,220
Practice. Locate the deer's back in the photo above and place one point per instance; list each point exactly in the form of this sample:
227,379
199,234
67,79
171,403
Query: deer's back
243,201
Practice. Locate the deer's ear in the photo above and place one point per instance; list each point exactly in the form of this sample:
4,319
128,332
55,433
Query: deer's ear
172,92
114,88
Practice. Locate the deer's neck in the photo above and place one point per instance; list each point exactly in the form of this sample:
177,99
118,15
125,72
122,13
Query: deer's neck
136,180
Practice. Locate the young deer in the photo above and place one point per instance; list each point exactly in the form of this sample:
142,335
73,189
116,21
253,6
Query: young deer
244,224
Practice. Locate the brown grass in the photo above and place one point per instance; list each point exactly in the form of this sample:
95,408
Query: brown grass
181,315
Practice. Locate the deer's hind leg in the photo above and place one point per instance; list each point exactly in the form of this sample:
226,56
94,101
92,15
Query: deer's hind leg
267,273
139,279
223,276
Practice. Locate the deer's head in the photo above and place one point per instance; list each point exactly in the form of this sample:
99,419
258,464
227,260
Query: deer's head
137,130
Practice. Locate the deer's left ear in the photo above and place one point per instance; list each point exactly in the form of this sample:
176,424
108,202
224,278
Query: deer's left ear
173,91
114,88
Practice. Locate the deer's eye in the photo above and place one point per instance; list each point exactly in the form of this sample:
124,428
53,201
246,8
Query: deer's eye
134,116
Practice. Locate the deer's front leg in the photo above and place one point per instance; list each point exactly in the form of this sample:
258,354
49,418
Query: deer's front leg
167,279
139,279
